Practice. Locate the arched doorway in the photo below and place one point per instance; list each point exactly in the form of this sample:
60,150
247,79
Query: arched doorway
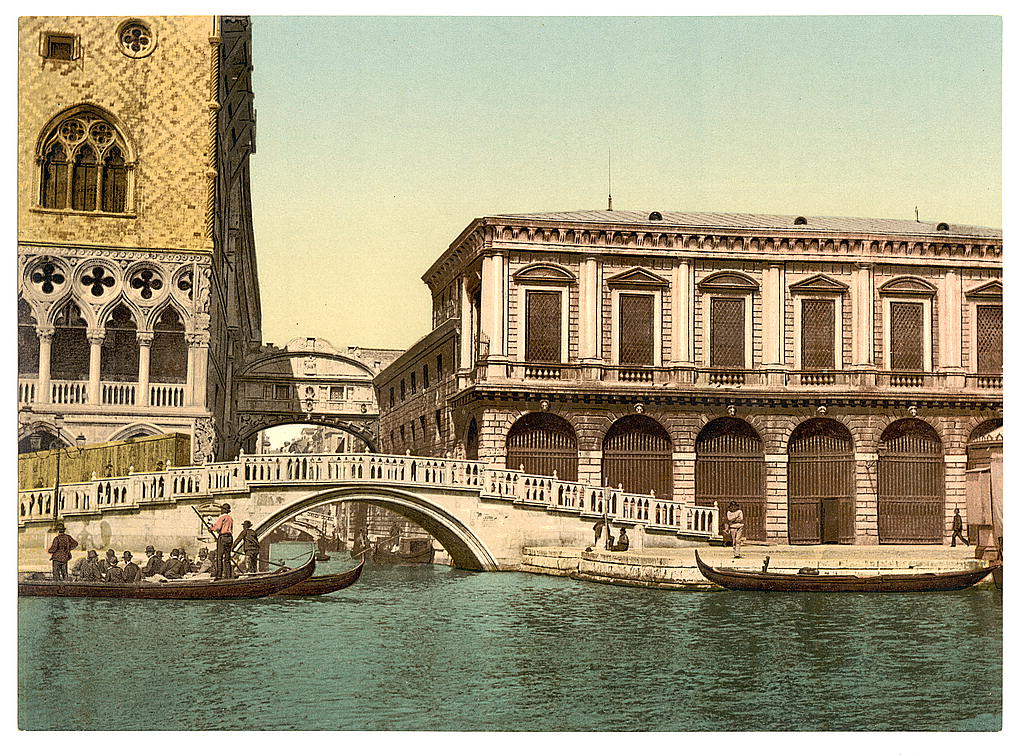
472,440
911,483
730,467
637,454
542,443
821,483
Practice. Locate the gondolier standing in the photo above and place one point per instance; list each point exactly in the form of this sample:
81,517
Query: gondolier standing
223,526
250,547
734,520
60,553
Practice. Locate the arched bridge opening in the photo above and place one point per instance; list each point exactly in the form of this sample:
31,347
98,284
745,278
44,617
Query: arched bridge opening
465,548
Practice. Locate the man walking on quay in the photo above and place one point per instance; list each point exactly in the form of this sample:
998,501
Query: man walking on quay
223,526
60,553
958,529
250,547
734,518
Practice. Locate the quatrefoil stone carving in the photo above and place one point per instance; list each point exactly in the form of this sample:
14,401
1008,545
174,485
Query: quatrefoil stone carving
47,278
98,280
146,282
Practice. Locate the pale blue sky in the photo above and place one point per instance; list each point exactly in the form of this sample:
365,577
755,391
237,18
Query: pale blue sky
380,139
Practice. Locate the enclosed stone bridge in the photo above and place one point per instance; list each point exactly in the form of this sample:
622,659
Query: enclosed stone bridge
482,515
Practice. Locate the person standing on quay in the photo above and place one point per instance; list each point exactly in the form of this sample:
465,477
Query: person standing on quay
958,529
60,553
250,547
223,527
734,518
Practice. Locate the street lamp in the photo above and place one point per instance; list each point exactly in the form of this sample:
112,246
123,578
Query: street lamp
55,446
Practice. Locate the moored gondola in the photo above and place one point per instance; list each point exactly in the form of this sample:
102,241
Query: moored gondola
243,587
742,580
319,585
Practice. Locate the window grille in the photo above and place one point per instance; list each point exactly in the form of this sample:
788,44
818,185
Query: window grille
730,467
906,335
821,483
426,378
637,454
282,391
440,367
990,339
60,47
543,326
818,334
337,393
728,333
911,484
412,382
636,329
542,443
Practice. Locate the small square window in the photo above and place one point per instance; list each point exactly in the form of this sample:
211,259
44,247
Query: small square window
282,391
59,47
337,393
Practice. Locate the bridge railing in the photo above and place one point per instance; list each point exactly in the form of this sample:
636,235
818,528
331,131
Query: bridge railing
239,476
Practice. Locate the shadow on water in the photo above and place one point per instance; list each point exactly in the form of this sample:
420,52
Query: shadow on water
442,649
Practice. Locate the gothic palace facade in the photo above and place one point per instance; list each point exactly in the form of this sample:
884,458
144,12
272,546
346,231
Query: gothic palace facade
829,374
137,285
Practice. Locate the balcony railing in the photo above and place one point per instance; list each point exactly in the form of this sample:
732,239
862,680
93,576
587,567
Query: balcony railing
115,393
167,395
118,392
69,392
26,391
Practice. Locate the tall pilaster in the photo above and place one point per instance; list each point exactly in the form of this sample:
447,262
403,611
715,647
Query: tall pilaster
773,320
95,337
466,334
950,322
682,312
864,315
198,352
145,339
45,334
492,310
590,310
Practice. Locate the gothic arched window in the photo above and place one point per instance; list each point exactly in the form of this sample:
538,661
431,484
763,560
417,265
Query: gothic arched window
168,356
85,165
70,349
119,356
28,341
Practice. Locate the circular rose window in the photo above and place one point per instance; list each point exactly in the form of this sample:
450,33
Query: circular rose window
136,39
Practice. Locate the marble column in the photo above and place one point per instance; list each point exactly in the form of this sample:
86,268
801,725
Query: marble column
43,382
95,337
145,339
198,352
492,310
950,304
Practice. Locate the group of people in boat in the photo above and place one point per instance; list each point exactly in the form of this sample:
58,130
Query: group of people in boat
218,564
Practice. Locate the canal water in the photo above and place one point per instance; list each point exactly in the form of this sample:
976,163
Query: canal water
433,648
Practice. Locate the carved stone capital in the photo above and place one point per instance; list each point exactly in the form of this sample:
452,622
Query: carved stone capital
145,338
95,335
198,339
45,333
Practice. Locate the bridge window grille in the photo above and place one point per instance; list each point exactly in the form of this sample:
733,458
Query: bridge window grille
911,484
730,467
69,349
543,443
119,355
728,332
906,335
28,341
168,357
637,454
818,334
282,391
990,339
337,393
821,483
543,326
636,329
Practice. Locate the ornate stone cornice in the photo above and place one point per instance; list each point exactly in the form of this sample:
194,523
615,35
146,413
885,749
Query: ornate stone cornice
113,253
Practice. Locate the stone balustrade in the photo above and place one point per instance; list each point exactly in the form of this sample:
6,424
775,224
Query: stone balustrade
253,472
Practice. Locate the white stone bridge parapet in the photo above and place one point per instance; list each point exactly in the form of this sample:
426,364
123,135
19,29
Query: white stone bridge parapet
482,515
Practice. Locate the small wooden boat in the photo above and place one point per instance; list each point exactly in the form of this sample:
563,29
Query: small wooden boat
409,551
319,585
242,587
743,580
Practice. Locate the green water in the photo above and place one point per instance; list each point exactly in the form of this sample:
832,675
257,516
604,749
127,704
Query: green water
432,648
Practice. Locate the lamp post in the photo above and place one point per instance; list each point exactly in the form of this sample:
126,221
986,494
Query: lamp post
59,450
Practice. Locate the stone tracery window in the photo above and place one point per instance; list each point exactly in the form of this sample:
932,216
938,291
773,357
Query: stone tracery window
84,166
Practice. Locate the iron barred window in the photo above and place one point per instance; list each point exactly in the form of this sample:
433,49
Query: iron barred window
990,339
84,166
818,334
907,335
728,334
636,329
543,326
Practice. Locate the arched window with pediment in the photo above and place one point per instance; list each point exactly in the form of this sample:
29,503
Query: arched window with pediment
85,164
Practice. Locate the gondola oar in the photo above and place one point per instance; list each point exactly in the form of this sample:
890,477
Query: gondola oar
215,537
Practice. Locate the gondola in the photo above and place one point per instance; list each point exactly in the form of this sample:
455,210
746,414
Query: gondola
742,580
243,587
320,585
407,554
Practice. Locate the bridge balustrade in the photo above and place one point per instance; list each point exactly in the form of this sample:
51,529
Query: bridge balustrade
241,475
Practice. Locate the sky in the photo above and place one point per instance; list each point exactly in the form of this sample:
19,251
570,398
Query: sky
379,139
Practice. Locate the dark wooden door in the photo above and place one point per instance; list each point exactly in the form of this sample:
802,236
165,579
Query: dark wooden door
832,521
821,467
730,467
637,455
911,484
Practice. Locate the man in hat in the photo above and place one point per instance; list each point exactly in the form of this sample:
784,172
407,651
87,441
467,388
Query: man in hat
132,572
173,569
187,565
958,529
250,547
91,572
734,524
205,566
154,563
60,552
222,528
114,573
106,560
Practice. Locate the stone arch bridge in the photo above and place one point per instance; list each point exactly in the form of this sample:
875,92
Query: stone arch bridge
482,515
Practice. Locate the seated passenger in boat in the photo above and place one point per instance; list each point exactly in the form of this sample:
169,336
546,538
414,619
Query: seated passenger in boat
205,566
114,573
76,567
173,569
132,572
623,543
154,564
187,565
90,570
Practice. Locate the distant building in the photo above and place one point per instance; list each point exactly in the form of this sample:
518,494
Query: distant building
829,374
137,281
